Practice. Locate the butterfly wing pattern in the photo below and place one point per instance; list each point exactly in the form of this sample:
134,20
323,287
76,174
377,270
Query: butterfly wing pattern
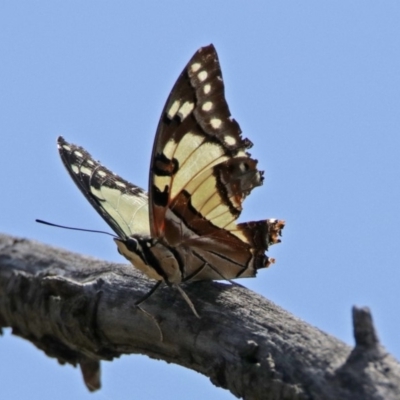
200,174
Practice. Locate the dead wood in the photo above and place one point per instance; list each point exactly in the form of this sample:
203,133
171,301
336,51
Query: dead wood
81,310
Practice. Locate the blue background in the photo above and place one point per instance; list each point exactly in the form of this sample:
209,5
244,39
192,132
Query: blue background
315,85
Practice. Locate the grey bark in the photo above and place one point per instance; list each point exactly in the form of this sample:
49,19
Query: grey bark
81,310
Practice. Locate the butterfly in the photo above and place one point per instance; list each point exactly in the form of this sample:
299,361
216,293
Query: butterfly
185,228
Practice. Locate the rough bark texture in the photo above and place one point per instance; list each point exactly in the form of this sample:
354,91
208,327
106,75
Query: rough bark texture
81,310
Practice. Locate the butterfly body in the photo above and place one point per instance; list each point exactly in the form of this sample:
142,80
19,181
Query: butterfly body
185,228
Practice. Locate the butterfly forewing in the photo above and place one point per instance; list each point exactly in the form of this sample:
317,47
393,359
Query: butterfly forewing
196,133
123,205
200,174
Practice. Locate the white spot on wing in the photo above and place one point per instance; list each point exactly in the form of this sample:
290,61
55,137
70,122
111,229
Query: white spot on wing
185,110
207,106
215,123
202,76
102,174
78,153
120,184
241,153
195,67
75,168
229,140
90,162
86,171
173,109
66,147
207,88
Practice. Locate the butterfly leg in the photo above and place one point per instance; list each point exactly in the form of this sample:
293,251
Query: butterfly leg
187,299
154,319
151,316
150,292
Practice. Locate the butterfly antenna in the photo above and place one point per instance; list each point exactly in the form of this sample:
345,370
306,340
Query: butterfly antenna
40,221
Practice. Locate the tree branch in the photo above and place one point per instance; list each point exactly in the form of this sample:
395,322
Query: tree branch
81,310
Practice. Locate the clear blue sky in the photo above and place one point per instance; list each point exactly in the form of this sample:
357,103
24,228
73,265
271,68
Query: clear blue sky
315,85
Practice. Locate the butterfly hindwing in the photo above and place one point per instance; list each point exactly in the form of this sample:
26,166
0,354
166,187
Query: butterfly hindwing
123,205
